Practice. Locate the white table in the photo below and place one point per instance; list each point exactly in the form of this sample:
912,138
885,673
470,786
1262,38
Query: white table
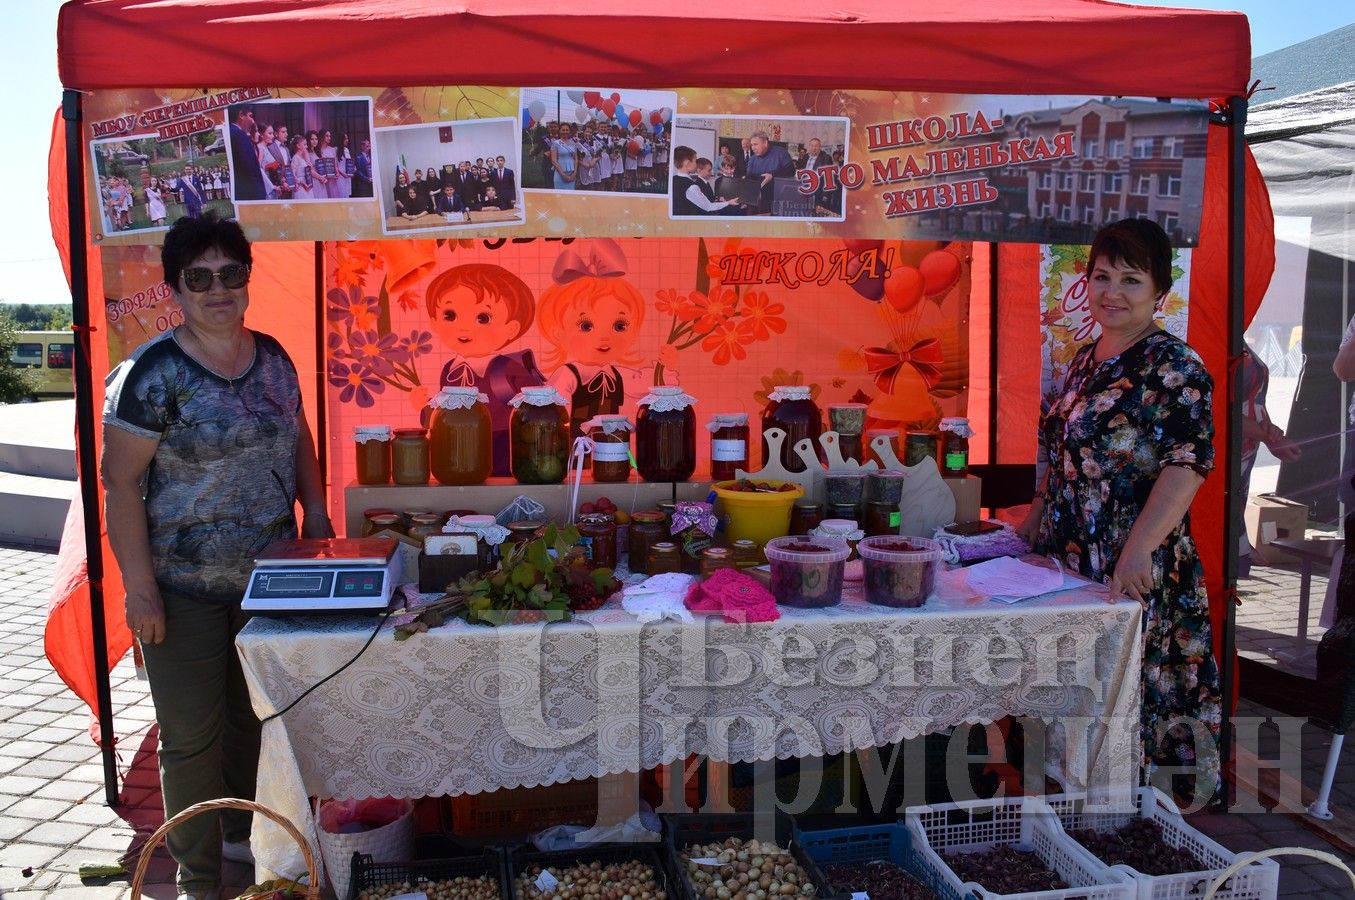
468,709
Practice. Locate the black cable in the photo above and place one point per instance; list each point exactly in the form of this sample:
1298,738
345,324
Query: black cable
375,631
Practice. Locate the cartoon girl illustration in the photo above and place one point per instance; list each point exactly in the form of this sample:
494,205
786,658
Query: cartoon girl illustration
476,310
591,315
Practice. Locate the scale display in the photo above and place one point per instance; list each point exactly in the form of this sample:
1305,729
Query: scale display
322,576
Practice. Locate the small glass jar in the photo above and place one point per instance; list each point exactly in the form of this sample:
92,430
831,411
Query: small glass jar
460,436
489,534
664,556
647,528
882,517
804,515
790,408
597,533
372,452
747,554
841,511
849,421
424,524
611,448
713,559
845,528
522,531
728,445
409,456
918,445
375,522
955,433
667,507
665,435
693,530
539,436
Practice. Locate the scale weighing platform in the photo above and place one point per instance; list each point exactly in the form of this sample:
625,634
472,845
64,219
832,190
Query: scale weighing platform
323,575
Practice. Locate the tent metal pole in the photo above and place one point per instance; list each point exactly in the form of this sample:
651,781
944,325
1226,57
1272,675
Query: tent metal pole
993,347
321,417
84,432
1232,473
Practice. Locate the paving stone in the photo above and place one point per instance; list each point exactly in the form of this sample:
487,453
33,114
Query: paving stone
21,854
42,808
20,784
69,791
12,826
102,892
62,834
47,769
25,749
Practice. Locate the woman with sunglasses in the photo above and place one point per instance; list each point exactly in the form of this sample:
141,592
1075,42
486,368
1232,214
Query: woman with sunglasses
206,454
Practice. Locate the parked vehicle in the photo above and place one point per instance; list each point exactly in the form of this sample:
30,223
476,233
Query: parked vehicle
50,357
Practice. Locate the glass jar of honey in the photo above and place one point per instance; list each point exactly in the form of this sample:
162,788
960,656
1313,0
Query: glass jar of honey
728,445
647,528
372,452
714,559
423,524
791,409
804,515
460,436
409,456
597,532
522,531
611,447
747,554
665,435
664,556
376,520
539,436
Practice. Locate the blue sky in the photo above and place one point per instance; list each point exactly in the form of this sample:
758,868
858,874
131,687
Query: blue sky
29,271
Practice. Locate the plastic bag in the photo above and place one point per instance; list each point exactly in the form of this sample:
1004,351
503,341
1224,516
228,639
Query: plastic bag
380,826
356,816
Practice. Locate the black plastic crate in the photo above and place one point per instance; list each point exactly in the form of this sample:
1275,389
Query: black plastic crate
520,858
681,831
368,873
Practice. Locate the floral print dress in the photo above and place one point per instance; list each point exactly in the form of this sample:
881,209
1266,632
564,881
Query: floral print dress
1116,425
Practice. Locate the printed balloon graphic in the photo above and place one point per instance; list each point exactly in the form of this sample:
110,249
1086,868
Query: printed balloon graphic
656,118
576,96
609,108
616,98
911,253
592,99
904,288
537,109
635,117
872,288
940,271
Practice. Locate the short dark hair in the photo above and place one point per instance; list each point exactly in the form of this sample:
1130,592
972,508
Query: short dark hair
682,154
1138,243
278,126
191,237
702,162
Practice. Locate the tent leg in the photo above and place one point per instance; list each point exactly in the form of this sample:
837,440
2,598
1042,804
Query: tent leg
84,432
1318,808
1232,473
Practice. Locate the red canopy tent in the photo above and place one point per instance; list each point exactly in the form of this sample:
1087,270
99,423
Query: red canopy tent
1038,47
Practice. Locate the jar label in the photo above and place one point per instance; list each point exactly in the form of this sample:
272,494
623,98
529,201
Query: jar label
894,519
955,461
729,451
611,451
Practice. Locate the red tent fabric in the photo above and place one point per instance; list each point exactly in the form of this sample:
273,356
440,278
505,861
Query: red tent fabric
973,47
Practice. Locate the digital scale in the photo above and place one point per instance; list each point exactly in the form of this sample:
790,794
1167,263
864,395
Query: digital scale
323,575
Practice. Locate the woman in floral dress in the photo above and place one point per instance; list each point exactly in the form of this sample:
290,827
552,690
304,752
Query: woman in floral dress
1129,444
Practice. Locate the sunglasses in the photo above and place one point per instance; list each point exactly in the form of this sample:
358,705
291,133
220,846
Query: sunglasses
199,278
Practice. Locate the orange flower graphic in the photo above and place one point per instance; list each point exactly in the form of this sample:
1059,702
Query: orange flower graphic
727,341
762,315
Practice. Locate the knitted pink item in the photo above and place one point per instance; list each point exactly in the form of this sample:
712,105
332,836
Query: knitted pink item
736,596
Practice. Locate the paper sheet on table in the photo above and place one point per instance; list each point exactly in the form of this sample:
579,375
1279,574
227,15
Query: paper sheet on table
1009,580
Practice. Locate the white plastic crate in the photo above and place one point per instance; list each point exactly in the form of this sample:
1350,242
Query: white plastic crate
1027,824
1257,881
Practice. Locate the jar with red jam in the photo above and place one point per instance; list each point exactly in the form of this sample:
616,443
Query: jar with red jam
372,452
611,447
728,445
647,528
597,532
804,516
460,436
713,559
665,435
791,408
539,436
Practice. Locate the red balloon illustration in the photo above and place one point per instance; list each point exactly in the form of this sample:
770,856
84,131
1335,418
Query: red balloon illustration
940,270
609,108
616,98
903,288
633,147
592,99
636,117
656,117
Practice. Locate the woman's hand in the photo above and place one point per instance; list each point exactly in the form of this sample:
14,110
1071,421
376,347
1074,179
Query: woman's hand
1029,529
146,614
316,525
1133,576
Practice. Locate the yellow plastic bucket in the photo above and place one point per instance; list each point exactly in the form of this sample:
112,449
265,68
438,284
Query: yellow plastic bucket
756,516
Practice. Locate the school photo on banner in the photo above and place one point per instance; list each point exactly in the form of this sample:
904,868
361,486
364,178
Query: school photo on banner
602,320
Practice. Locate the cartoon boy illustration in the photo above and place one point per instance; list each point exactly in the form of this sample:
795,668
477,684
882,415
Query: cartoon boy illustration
477,310
591,316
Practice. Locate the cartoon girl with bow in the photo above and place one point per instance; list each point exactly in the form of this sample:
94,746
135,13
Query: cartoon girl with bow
591,315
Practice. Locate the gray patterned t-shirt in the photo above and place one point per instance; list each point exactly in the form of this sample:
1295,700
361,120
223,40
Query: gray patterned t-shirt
223,480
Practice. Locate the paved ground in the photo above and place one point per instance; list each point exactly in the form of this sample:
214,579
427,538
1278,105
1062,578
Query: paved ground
53,816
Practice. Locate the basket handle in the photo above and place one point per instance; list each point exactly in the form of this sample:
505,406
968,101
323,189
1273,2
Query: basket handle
1246,859
310,891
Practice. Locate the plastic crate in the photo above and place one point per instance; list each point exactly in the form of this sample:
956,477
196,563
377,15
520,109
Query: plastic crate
519,811
521,857
368,874
861,844
1257,881
1026,823
681,831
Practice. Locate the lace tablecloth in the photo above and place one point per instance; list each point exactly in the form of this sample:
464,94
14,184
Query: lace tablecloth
466,709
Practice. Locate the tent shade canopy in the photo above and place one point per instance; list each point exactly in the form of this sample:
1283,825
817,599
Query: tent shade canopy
982,46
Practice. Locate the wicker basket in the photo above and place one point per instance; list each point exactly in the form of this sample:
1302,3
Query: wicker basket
309,891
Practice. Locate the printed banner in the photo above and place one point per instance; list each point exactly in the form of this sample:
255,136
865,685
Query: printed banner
603,320
1066,324
490,162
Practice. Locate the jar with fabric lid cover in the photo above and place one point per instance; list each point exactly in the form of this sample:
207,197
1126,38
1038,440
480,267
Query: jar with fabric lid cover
791,408
372,453
611,447
460,436
665,435
539,435
728,445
